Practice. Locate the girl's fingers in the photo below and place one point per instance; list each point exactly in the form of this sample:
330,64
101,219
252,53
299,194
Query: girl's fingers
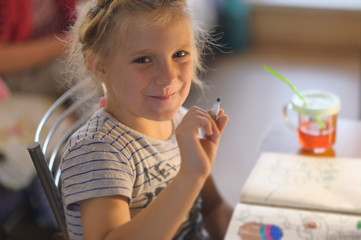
218,126
222,121
198,118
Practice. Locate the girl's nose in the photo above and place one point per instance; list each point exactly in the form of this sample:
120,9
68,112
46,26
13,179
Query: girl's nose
166,73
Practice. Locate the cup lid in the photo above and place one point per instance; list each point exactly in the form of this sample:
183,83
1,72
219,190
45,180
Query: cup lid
318,103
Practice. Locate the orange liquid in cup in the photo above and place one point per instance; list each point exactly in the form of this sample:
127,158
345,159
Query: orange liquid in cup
313,138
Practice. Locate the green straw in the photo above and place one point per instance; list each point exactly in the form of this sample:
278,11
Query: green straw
295,91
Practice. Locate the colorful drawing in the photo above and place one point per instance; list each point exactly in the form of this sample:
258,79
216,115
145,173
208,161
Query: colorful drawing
252,222
258,231
310,225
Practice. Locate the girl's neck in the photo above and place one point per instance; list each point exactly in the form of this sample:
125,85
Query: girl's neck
161,130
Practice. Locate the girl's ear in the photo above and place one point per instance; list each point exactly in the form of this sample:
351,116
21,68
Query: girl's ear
95,66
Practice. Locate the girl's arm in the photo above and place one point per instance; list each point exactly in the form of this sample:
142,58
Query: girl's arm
108,217
216,212
27,55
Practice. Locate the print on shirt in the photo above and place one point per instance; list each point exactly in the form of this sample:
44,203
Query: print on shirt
160,174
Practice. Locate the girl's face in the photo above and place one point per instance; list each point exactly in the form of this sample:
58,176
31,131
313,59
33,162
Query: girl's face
150,74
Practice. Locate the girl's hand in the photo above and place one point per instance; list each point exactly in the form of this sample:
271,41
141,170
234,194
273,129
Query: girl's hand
197,154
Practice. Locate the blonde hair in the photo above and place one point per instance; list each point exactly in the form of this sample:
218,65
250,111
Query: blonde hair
97,30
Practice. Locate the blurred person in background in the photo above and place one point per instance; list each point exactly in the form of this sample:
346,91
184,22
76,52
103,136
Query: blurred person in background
32,46
31,40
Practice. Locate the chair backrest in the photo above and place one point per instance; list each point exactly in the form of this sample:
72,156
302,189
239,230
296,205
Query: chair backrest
46,154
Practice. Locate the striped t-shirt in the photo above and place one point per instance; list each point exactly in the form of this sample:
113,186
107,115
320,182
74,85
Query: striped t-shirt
105,157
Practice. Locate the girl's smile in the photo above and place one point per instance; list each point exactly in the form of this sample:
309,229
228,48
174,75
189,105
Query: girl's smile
163,97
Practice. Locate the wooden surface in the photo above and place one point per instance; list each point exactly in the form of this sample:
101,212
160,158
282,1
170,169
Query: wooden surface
289,24
280,138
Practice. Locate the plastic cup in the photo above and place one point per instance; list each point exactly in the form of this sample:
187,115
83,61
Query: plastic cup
317,120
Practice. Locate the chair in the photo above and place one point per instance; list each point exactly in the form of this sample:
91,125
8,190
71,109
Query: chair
46,156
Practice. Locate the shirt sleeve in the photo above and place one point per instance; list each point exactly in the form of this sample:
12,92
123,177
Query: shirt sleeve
94,169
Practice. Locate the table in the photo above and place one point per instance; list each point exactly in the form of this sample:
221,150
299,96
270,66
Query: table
280,138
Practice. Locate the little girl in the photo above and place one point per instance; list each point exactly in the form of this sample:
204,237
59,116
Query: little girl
138,169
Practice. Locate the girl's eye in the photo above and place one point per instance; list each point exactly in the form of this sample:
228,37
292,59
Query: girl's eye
142,60
180,54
